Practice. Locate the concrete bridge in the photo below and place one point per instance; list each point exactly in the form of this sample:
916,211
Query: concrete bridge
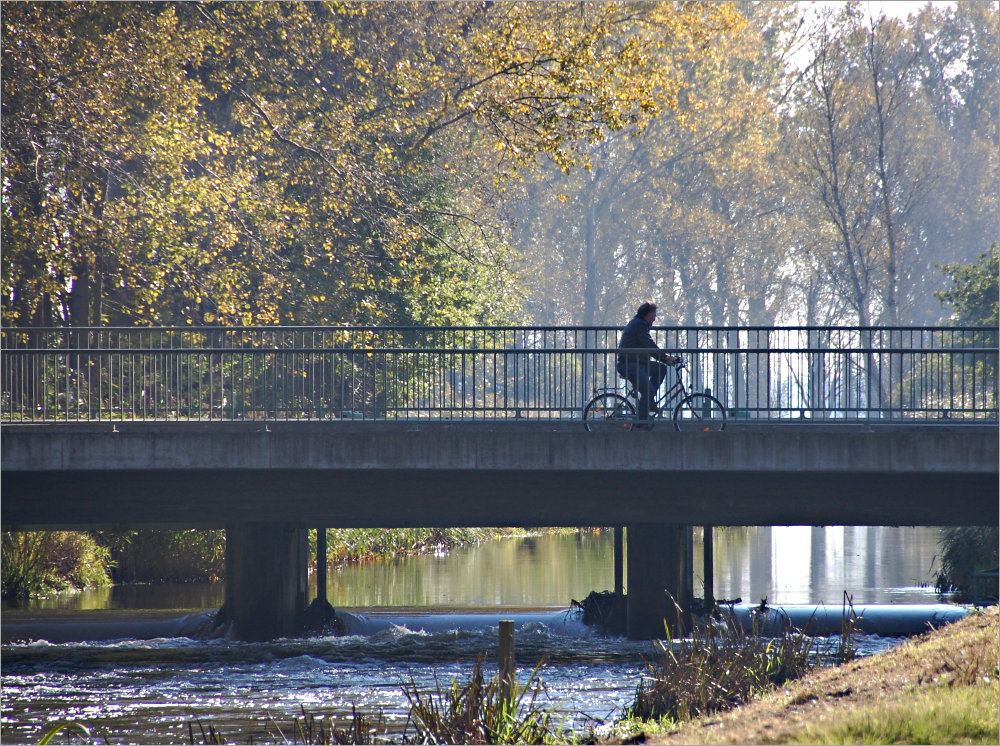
268,432
268,482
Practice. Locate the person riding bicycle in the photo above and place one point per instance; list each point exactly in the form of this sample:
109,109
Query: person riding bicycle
638,368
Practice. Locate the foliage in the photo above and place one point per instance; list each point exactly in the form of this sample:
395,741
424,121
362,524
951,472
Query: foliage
717,669
974,292
883,135
360,544
819,167
36,562
654,212
238,163
966,550
152,555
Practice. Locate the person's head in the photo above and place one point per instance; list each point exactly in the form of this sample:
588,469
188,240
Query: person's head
647,311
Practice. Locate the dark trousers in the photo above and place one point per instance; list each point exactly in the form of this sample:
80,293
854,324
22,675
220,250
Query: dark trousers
646,376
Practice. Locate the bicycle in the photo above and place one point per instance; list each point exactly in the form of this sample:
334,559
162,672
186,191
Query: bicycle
609,410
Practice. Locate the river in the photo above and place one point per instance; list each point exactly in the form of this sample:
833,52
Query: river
423,619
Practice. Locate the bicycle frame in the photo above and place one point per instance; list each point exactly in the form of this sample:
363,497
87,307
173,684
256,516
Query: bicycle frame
674,393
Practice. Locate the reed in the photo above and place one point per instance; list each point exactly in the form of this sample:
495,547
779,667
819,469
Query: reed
69,729
719,667
483,712
309,730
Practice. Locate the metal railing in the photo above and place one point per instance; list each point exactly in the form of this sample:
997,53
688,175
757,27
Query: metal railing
479,373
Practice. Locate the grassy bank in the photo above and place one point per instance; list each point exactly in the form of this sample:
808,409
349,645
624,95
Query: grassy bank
941,687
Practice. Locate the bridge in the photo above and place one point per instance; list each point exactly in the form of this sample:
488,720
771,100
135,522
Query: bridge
269,432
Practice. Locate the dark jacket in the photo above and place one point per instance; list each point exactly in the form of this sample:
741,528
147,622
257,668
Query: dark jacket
635,335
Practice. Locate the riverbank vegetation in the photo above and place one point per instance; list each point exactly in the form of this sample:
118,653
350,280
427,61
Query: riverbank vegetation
40,562
967,552
36,563
940,687
374,544
717,668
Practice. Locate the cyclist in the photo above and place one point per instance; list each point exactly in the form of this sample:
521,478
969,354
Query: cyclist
644,373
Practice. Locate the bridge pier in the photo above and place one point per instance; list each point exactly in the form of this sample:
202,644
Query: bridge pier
266,580
659,579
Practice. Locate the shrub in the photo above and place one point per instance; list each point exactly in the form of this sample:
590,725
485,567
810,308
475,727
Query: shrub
36,562
160,555
966,550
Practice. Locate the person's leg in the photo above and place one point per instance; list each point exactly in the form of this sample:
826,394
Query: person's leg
657,372
643,375
638,375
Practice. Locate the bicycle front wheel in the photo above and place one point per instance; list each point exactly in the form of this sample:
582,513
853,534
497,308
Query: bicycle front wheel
699,412
608,412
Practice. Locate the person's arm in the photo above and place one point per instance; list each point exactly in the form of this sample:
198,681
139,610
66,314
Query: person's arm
660,355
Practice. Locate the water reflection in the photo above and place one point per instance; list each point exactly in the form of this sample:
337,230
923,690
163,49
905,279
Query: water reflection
788,564
817,564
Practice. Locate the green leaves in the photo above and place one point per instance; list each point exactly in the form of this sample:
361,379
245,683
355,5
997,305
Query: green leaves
974,291
241,163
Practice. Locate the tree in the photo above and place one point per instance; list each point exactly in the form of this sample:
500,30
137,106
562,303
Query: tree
94,100
887,160
687,210
293,162
974,292
959,70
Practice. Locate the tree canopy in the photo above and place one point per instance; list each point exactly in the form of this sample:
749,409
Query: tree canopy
471,162
301,162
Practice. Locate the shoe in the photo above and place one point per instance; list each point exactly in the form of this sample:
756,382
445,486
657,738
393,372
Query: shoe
643,426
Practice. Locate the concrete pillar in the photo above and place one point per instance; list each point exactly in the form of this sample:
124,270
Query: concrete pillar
619,561
267,580
321,562
659,579
708,547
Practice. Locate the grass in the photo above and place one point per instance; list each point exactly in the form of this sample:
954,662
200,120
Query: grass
963,715
941,687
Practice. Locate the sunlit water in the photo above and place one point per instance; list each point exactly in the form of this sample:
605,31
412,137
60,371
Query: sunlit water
423,620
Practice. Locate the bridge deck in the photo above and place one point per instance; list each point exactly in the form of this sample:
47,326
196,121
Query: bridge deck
542,474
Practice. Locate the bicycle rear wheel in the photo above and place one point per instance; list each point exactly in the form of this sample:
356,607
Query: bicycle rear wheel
699,412
608,412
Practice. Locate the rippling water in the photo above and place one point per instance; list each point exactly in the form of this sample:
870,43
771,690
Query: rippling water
148,691
145,691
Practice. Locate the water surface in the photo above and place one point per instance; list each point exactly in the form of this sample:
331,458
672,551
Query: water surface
423,619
